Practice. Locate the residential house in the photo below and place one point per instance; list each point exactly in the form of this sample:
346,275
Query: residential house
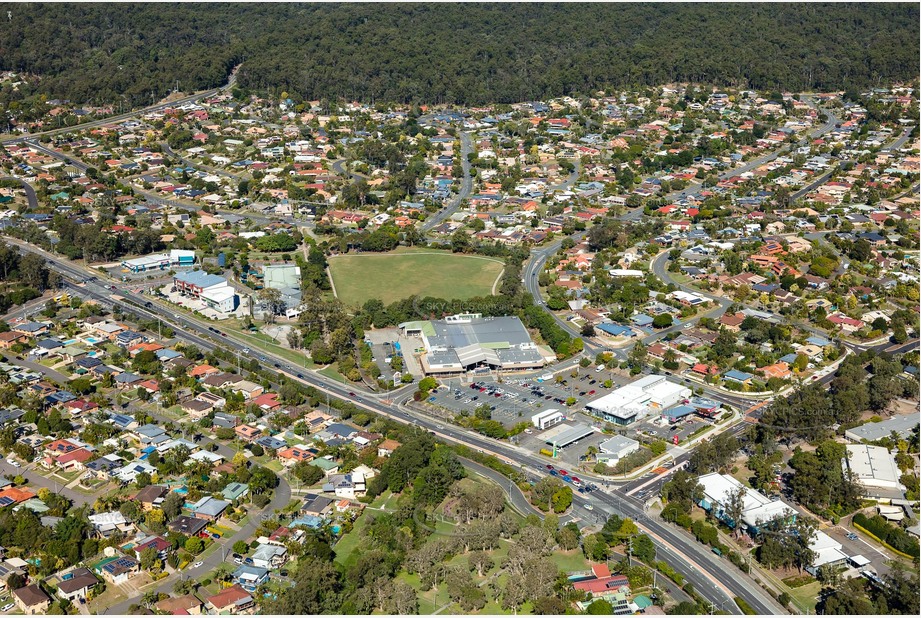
387,447
250,577
349,485
247,433
290,456
32,600
209,508
118,570
235,491
182,605
189,526
316,505
232,600
269,556
77,585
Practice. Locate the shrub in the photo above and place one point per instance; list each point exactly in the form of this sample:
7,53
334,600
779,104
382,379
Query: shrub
744,606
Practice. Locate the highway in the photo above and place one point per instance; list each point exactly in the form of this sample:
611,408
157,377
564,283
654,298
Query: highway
718,580
713,577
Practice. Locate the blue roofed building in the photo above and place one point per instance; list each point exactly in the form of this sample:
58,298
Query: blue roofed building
250,577
738,376
615,330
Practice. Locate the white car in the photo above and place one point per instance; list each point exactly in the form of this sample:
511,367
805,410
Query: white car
197,564
7,607
14,463
588,507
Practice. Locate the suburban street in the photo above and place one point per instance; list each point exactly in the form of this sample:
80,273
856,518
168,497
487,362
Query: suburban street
465,189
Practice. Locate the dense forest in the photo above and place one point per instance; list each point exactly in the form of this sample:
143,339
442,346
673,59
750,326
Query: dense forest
456,53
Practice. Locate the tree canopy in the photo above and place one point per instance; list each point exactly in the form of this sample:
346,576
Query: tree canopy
450,53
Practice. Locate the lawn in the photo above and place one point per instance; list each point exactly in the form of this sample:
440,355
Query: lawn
400,274
806,596
572,560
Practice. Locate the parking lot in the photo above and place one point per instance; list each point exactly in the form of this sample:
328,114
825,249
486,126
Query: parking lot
517,399
657,429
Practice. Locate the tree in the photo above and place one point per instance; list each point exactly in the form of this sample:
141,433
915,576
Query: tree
588,330
142,480
172,505
130,510
514,594
306,473
480,561
194,545
600,607
148,557
271,302
318,590
735,506
643,548
663,320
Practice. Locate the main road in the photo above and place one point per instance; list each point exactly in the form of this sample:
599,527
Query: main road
192,98
718,580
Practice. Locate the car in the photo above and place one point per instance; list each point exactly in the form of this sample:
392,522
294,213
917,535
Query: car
198,564
14,463
565,478
581,490
576,479
300,375
238,560
177,316
351,394
277,365
554,473
549,466
588,507
564,472
7,607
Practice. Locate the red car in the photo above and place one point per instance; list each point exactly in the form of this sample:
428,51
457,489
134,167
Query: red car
549,467
564,473
576,479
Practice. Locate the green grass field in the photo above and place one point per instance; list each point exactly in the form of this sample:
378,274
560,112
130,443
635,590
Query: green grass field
400,274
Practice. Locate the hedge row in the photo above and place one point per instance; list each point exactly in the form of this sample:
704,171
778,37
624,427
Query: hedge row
892,536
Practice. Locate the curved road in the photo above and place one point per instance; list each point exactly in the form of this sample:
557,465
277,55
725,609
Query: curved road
30,192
